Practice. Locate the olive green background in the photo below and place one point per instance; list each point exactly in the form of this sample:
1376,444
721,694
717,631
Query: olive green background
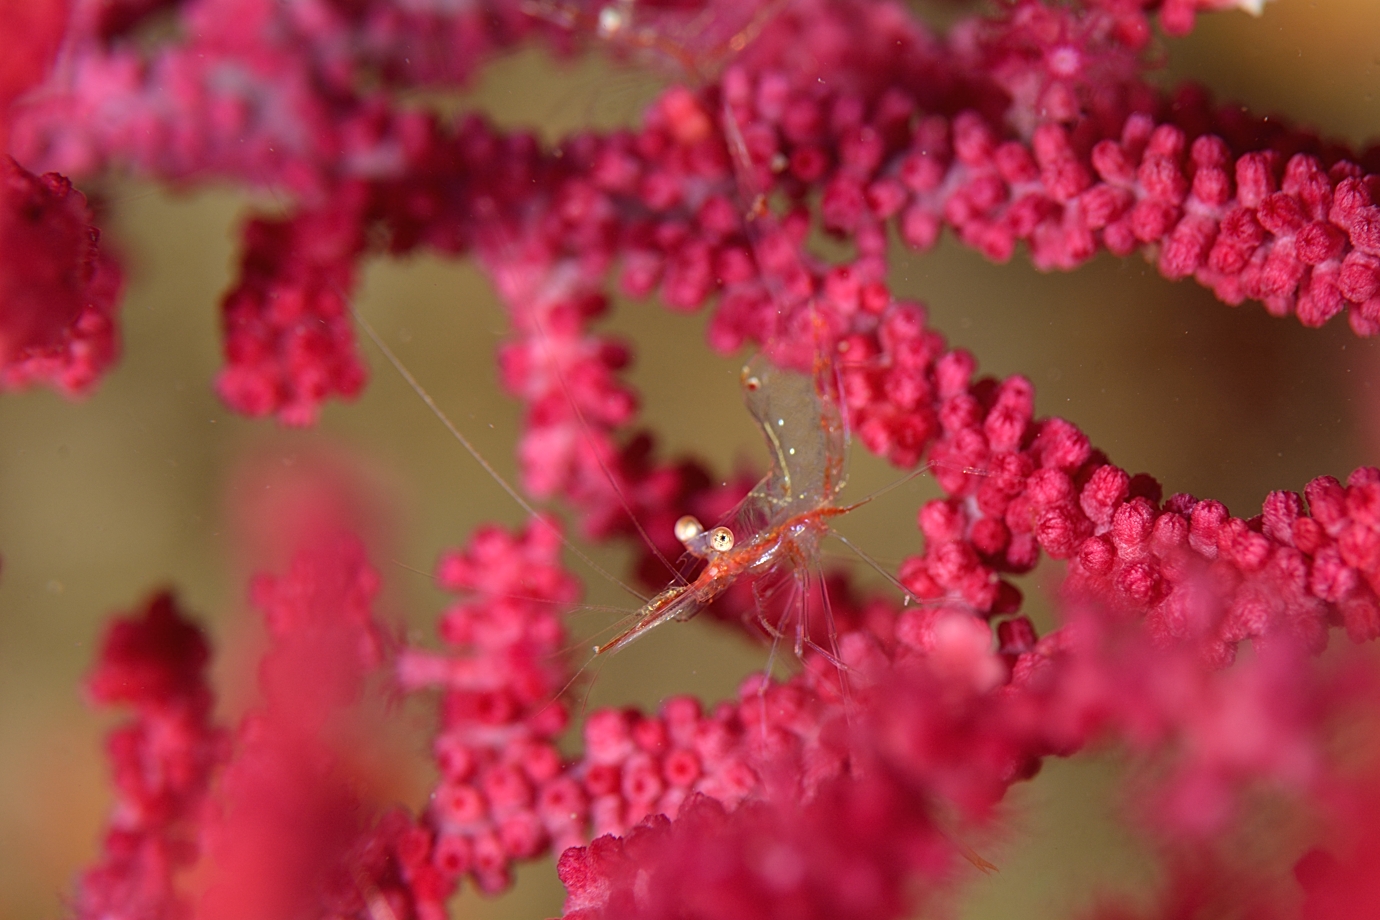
105,500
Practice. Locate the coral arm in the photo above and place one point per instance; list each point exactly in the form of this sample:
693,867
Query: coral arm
1017,485
289,342
309,833
1032,127
270,93
257,91
1250,209
35,30
1254,220
274,819
163,762
292,813
59,292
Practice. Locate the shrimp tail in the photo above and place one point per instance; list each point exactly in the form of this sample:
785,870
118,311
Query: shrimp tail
974,857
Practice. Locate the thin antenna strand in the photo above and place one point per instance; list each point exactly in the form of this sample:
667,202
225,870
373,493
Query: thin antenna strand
876,566
598,458
455,431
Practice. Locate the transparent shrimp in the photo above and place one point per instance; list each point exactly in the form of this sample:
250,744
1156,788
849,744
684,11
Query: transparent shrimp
779,525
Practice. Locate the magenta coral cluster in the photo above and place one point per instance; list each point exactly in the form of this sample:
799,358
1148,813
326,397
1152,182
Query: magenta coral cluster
162,762
851,788
58,291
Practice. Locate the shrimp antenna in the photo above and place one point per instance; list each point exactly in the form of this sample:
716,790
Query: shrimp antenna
895,484
877,566
473,451
574,678
548,601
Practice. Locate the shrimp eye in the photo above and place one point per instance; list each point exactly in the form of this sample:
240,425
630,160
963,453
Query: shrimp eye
752,383
721,539
688,528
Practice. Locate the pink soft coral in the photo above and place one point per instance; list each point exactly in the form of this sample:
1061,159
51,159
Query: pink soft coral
58,291
848,788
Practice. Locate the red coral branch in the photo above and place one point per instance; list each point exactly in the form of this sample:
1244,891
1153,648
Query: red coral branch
162,763
58,291
291,823
288,338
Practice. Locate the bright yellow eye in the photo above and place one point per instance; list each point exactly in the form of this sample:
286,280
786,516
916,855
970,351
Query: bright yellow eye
721,539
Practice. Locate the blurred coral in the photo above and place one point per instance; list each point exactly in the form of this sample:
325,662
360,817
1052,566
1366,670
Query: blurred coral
163,763
58,291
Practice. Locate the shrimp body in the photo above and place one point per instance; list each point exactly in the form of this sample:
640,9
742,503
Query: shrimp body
780,524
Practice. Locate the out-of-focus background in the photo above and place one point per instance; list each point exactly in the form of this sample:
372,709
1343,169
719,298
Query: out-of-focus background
104,501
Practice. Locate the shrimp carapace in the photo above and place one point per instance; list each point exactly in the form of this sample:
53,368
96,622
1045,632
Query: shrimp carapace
806,438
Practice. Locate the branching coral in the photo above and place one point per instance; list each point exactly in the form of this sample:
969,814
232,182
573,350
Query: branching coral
845,790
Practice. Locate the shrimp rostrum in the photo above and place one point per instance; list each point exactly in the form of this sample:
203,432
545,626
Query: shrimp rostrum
773,536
